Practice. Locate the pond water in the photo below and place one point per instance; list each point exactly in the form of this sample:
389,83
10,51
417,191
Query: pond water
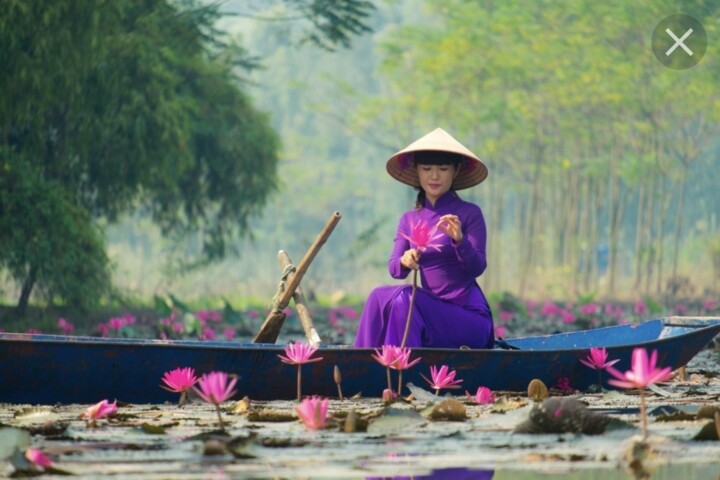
403,440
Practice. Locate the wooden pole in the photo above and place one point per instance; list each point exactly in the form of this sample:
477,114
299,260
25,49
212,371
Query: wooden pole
300,304
270,329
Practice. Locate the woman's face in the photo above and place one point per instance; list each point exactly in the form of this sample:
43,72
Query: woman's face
436,180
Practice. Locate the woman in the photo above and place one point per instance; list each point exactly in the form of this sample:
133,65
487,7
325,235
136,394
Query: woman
449,309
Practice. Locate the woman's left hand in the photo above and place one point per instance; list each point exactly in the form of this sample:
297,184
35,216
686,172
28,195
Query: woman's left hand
451,225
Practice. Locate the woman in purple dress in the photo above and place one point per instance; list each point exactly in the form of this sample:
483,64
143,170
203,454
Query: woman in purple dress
449,309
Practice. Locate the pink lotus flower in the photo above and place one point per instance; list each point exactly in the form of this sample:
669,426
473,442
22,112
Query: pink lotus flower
313,412
643,372
589,309
567,317
402,359
396,358
229,333
98,411
500,331
597,359
422,236
37,458
211,315
65,326
505,315
388,395
549,308
483,396
563,384
207,334
180,381
103,329
442,378
640,308
709,305
297,354
215,388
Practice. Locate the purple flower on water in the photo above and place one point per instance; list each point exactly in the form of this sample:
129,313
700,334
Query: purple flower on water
442,377
643,372
298,353
37,458
597,359
102,409
483,396
180,381
312,412
216,388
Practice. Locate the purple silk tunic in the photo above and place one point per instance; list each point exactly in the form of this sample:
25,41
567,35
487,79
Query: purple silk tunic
450,309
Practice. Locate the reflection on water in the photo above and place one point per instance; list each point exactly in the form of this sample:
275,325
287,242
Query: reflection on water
455,473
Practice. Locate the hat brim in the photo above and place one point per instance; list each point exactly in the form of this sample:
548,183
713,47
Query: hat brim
401,166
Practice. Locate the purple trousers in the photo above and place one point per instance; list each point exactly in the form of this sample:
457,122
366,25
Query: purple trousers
434,322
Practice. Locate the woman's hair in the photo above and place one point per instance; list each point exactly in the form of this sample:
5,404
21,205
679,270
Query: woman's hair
433,157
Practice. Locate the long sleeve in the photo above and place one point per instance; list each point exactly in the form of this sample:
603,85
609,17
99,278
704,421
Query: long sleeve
400,245
471,250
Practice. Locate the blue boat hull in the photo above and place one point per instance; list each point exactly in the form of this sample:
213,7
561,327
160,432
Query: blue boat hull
48,369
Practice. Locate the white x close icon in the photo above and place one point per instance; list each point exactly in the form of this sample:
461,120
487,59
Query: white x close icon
679,42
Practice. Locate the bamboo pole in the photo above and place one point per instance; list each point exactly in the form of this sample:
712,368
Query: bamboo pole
270,329
300,303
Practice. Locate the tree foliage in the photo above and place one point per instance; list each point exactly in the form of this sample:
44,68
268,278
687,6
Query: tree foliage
112,106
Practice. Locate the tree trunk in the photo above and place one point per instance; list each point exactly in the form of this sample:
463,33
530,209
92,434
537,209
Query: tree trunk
27,289
639,237
679,221
532,219
650,233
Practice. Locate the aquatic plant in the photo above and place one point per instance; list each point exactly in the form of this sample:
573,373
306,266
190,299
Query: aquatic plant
643,372
421,238
180,381
216,388
386,357
337,378
312,412
298,353
442,377
100,410
597,359
37,458
483,395
65,326
402,362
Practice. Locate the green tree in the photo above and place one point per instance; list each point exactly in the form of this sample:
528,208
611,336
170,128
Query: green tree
110,107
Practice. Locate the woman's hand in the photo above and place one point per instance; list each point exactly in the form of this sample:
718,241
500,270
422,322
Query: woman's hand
410,259
451,225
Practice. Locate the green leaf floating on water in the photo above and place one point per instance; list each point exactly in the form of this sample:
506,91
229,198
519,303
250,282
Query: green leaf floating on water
12,439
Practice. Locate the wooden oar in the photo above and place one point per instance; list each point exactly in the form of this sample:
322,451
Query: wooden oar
270,329
299,299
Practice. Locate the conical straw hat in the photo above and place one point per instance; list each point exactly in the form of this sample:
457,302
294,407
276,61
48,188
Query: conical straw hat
402,167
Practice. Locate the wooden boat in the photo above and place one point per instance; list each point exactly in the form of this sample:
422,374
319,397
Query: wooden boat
50,369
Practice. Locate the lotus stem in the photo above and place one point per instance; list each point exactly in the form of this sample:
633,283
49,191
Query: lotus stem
183,394
220,420
387,369
399,382
409,316
299,382
643,416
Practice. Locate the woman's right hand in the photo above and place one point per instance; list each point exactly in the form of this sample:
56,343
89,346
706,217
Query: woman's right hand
410,259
